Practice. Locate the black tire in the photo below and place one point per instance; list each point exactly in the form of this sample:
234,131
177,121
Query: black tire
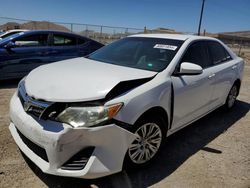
231,97
148,122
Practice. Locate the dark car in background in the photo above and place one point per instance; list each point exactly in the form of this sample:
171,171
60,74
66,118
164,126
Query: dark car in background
24,51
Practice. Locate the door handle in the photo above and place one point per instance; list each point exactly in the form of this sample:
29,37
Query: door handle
43,53
211,76
40,53
234,67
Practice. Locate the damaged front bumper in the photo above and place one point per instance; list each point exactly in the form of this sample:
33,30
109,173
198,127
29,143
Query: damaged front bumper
58,149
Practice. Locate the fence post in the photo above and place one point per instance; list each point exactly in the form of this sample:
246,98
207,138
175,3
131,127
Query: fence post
87,33
100,35
239,53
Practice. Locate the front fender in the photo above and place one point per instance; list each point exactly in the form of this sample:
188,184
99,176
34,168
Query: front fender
143,98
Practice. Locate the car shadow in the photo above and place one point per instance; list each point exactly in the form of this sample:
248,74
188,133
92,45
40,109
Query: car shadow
9,84
177,149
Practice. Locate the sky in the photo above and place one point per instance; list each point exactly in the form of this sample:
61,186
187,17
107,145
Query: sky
181,15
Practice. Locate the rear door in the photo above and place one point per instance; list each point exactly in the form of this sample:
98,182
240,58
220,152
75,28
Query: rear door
30,51
224,69
84,47
63,47
192,93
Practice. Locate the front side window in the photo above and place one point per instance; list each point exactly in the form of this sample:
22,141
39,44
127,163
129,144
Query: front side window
61,40
151,54
32,40
218,52
197,53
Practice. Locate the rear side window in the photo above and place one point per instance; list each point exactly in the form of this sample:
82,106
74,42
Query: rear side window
32,40
81,41
197,53
61,40
218,52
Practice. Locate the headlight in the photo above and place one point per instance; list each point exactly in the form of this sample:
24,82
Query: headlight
88,116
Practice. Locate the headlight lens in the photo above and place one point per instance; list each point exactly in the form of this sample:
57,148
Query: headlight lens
88,116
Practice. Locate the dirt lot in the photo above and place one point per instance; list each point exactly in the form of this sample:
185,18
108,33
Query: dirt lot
213,152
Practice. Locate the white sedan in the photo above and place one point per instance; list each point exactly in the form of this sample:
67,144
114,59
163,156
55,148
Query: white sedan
91,117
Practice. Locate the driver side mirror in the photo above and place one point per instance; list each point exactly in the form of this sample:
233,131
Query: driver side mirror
187,68
10,45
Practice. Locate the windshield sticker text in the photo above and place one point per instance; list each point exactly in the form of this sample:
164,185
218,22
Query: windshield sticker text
165,46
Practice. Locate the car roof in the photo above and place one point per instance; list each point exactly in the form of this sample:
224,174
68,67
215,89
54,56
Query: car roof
30,32
171,36
16,30
53,31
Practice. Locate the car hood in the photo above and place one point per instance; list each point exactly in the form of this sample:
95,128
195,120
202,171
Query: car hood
78,79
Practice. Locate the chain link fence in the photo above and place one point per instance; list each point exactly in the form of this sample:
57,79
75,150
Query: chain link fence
101,33
107,34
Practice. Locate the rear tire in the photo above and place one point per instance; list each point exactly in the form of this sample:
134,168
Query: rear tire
231,98
151,132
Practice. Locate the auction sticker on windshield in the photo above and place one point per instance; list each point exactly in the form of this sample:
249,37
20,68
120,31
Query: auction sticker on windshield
165,46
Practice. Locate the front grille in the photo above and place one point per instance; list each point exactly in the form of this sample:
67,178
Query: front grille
78,161
21,98
35,110
35,148
31,105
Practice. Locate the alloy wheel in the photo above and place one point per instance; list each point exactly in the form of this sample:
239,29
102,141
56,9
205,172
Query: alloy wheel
146,144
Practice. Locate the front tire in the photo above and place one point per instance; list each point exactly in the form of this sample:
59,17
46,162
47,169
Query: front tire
151,132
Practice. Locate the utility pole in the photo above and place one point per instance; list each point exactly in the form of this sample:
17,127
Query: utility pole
202,7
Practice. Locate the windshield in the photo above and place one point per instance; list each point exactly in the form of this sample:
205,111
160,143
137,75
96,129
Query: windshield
151,54
10,37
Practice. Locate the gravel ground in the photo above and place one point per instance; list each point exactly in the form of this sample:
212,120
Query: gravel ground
212,152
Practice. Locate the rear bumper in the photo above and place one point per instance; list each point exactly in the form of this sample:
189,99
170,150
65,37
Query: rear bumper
60,143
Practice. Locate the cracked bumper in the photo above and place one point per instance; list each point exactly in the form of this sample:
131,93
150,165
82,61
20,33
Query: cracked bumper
61,143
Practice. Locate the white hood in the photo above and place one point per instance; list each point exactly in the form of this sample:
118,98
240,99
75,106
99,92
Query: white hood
78,79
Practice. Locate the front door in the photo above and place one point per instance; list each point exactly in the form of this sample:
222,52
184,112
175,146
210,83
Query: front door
192,93
28,53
